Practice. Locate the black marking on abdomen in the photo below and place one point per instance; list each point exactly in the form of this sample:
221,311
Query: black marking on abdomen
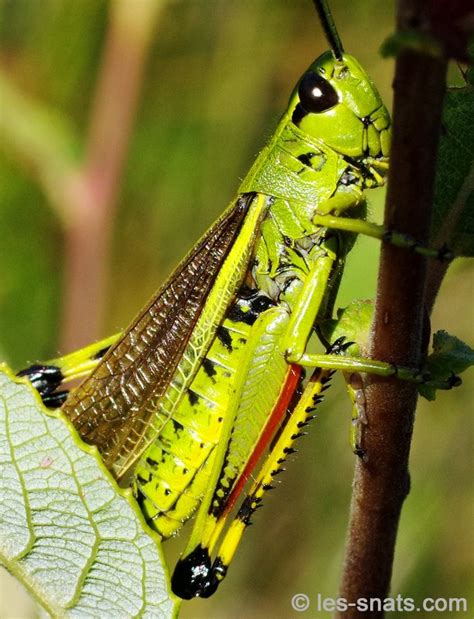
177,426
224,337
249,305
209,367
139,496
241,312
261,303
193,397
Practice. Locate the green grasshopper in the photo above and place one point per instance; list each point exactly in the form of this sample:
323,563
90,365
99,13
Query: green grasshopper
211,372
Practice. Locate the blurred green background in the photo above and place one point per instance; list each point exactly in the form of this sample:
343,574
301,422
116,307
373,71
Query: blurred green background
213,80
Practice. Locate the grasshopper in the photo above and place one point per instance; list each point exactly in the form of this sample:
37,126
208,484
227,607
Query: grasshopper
211,372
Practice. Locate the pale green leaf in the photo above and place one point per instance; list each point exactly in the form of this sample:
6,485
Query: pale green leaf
67,532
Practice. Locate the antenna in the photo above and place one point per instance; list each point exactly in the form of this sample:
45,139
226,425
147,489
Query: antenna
329,27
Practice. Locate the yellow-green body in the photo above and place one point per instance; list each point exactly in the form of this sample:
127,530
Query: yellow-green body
173,472
181,399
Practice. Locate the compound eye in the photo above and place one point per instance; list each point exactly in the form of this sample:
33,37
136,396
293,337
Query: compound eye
316,94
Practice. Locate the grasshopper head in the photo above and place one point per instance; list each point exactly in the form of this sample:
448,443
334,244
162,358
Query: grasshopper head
336,102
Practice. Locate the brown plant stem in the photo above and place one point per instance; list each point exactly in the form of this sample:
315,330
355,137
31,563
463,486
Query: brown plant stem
94,189
381,482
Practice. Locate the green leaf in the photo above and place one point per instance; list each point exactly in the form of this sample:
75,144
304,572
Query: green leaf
410,40
450,356
453,214
74,539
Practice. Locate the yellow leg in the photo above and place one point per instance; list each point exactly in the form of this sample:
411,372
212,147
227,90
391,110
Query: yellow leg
293,429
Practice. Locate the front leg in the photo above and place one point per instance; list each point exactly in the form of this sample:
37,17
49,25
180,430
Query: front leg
369,366
304,317
367,228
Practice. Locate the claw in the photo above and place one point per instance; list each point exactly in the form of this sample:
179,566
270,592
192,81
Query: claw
339,346
454,380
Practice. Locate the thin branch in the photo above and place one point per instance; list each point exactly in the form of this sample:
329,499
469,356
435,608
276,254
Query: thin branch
381,483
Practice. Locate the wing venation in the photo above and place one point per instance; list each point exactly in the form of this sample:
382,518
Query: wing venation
110,407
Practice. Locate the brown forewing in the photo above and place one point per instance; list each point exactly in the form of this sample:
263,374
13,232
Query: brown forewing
110,407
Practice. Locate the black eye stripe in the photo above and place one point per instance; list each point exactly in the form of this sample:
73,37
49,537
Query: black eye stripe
298,114
316,94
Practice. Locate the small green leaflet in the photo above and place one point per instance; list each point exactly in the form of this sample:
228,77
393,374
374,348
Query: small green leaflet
449,355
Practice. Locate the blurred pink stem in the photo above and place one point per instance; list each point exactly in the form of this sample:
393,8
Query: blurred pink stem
94,190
